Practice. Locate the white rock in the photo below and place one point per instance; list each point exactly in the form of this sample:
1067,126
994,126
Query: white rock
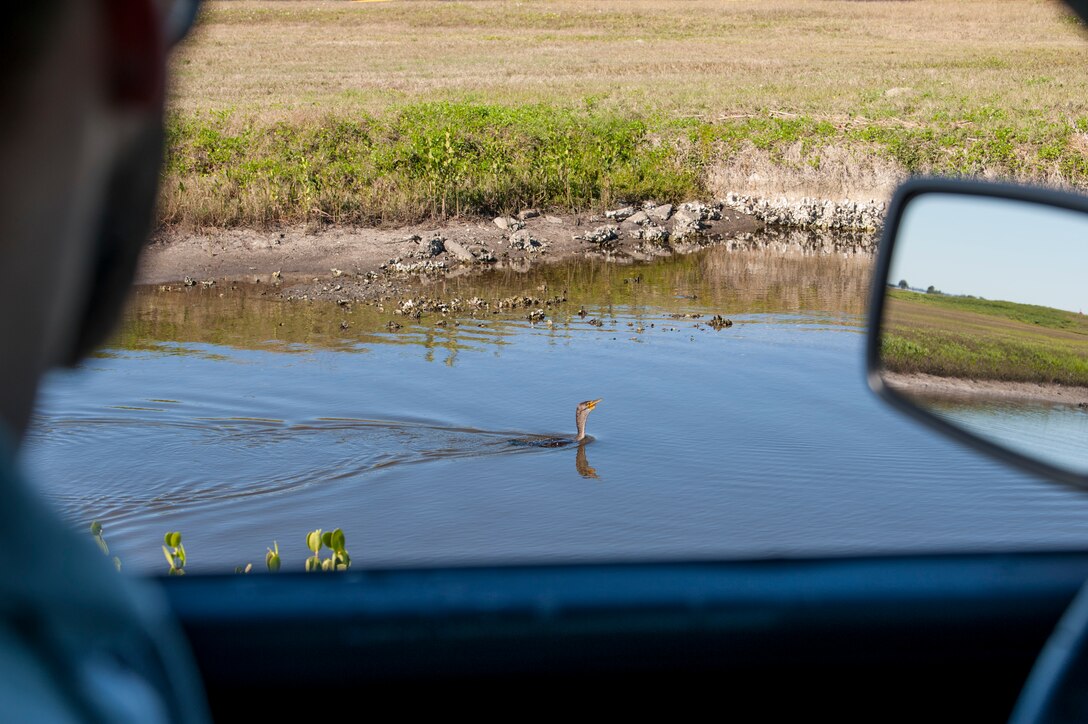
620,214
600,234
661,213
508,223
459,251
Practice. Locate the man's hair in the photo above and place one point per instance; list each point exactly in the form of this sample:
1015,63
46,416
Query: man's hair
23,33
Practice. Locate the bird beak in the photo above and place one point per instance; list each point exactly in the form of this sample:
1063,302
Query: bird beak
593,403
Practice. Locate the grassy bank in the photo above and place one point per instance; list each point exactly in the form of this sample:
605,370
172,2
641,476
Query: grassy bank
292,111
426,160
984,340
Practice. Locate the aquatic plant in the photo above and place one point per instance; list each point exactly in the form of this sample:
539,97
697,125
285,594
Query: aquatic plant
317,540
272,558
333,540
96,533
174,552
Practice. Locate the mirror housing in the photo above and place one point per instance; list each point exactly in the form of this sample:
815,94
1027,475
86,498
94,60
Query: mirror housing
991,346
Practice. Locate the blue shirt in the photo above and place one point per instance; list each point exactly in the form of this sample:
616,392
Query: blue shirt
79,641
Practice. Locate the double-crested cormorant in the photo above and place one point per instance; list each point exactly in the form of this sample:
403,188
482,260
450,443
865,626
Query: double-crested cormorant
580,415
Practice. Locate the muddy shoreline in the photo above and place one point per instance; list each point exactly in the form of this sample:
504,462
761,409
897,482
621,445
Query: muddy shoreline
374,264
952,388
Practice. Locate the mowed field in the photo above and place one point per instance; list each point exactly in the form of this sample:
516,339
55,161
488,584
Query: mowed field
400,110
982,340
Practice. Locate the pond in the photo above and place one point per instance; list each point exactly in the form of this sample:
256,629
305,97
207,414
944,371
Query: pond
1055,433
240,420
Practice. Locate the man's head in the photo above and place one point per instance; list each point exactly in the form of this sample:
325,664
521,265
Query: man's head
80,149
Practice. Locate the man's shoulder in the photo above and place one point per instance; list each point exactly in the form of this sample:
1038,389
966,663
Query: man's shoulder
103,640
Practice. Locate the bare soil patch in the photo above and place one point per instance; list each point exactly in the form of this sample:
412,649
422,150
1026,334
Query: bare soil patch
923,385
371,263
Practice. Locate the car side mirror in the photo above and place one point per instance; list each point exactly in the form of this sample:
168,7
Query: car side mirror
976,319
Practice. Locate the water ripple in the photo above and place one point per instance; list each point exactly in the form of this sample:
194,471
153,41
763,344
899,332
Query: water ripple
206,460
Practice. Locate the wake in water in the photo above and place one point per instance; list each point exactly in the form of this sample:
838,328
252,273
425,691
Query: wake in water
158,465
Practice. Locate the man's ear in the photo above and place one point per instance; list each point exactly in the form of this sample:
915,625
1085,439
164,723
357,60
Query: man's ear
135,66
126,217
135,52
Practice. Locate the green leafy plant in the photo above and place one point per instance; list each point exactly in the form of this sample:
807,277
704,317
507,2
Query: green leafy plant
96,533
317,541
272,558
174,552
333,540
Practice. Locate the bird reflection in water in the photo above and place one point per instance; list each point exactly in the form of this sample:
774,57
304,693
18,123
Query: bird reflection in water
582,463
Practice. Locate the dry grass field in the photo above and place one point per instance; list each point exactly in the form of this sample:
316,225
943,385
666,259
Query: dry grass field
795,97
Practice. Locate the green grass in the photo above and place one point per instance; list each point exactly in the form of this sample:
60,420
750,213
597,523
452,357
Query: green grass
984,340
295,111
976,357
442,159
424,160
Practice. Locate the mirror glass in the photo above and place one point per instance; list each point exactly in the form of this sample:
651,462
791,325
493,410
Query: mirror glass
983,322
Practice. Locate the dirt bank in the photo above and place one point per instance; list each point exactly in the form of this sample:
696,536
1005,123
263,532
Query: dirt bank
368,263
359,263
930,386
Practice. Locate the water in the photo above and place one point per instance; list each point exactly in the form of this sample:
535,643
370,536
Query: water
1053,433
239,421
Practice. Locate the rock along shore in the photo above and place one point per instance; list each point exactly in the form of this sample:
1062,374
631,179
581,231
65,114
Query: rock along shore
808,213
350,263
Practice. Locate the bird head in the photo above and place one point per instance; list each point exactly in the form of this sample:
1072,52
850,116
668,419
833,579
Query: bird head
581,414
585,407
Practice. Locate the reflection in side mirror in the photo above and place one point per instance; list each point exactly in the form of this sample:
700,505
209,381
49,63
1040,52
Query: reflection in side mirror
978,320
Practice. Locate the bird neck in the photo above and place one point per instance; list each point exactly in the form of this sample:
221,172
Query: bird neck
580,418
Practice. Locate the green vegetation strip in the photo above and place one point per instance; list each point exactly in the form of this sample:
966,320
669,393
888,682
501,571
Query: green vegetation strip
440,159
421,161
958,355
317,541
1001,341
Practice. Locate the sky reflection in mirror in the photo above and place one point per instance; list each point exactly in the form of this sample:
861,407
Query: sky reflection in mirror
994,248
